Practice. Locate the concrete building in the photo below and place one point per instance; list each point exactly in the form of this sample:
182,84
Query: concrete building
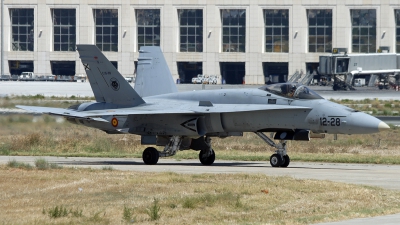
251,41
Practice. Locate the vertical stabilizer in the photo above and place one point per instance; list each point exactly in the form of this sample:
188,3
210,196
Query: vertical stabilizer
107,83
153,76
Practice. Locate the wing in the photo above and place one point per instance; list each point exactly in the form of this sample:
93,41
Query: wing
184,109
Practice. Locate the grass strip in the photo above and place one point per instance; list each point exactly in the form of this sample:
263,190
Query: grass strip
88,196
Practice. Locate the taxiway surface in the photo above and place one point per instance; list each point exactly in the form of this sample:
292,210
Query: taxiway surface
385,176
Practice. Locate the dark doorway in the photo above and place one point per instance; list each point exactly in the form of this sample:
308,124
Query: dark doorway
66,68
233,72
16,67
188,70
275,72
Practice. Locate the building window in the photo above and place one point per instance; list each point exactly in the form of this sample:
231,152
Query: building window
276,30
397,18
233,30
106,25
319,30
22,28
191,30
64,27
148,25
363,30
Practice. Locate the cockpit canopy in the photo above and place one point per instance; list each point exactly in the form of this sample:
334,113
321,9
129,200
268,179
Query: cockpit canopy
291,90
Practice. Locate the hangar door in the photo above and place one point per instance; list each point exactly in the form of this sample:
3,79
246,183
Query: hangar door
233,72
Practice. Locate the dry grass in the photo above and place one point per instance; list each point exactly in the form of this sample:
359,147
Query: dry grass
114,197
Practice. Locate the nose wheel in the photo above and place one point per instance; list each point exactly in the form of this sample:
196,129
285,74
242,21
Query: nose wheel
277,160
286,161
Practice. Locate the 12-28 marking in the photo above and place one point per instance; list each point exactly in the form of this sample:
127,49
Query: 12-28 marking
331,121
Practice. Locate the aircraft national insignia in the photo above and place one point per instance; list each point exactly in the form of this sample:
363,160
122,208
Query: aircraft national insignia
114,122
114,84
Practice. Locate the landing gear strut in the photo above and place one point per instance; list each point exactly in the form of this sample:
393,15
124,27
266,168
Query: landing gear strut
280,158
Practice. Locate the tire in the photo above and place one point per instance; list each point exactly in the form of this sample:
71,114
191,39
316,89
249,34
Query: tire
207,160
275,160
286,161
150,156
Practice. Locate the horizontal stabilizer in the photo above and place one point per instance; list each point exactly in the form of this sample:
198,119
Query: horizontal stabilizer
59,112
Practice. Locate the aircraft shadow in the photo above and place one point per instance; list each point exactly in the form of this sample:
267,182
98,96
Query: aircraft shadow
191,164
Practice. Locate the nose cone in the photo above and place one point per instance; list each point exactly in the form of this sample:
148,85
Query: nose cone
361,123
383,126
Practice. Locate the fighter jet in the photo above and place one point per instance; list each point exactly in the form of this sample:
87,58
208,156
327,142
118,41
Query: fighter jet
162,116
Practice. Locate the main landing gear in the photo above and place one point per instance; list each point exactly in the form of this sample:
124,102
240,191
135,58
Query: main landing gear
280,158
207,155
150,155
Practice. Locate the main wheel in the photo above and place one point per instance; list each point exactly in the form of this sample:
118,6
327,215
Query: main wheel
150,156
286,161
275,160
207,160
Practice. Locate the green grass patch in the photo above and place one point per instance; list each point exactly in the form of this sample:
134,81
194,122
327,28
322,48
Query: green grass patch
15,164
43,164
154,211
62,211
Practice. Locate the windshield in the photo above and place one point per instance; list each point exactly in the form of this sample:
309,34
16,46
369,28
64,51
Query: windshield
291,90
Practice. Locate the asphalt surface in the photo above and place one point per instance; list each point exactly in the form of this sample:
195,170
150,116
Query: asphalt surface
384,176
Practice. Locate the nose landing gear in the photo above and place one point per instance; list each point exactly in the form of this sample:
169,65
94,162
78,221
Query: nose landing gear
280,158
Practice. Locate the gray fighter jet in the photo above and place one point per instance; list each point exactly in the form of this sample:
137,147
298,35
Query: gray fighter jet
162,116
